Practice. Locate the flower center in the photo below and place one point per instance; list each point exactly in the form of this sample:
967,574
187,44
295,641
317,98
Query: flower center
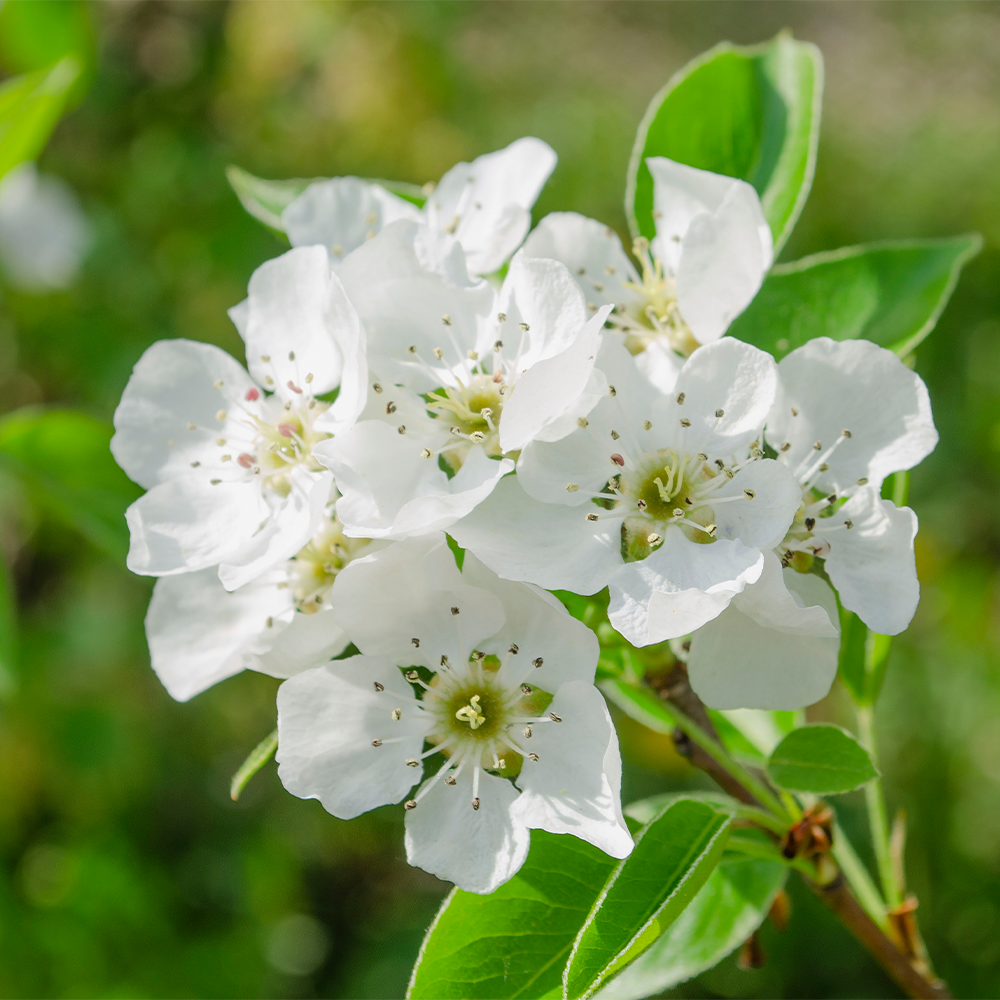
285,442
314,568
472,410
470,713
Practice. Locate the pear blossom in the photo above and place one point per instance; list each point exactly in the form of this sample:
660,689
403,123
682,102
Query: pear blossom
483,206
846,415
486,684
279,623
226,456
461,376
666,499
711,251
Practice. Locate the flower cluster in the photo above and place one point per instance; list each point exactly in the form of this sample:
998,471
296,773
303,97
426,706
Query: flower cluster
426,380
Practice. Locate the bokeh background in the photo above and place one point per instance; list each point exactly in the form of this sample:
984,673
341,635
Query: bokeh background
125,870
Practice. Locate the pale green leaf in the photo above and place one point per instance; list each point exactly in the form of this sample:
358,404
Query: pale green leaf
823,759
747,112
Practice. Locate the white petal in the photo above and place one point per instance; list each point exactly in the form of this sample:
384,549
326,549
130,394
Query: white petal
859,386
409,591
542,630
307,641
593,253
172,386
486,204
679,587
723,262
682,193
575,786
660,364
872,565
327,719
199,633
293,521
550,545
189,524
730,376
763,520
477,849
341,214
774,647
290,322
552,387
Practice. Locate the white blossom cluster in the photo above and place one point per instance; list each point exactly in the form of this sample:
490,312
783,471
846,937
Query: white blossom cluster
579,423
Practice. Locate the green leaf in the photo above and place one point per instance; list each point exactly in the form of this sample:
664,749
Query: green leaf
891,293
751,113
729,907
672,859
640,704
35,36
30,106
266,200
8,629
64,460
514,942
822,759
256,759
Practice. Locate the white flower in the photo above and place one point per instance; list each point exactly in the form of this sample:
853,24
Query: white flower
461,375
227,459
489,682
847,414
711,252
484,206
666,499
279,623
774,647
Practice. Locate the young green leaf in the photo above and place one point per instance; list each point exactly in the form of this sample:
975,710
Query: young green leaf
63,459
672,859
891,293
729,907
751,113
30,106
514,942
822,759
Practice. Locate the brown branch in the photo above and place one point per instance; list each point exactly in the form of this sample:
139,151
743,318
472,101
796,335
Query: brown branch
834,891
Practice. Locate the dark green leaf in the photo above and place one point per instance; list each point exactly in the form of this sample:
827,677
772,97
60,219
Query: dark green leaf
891,293
64,460
729,907
751,113
514,942
823,759
673,857
30,106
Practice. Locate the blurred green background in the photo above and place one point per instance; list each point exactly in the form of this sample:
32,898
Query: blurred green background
125,870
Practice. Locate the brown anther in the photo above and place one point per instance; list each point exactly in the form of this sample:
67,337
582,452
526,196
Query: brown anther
618,460
376,743
647,425
848,524
720,413
681,396
450,779
410,804
412,762
554,717
416,642
526,689
810,523
533,757
514,648
379,688
454,610
592,517
749,494
615,436
537,661
390,407
475,804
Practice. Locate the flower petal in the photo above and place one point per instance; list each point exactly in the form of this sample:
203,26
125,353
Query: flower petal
342,213
679,587
872,564
774,647
306,642
189,524
199,633
409,591
477,849
172,387
859,386
575,786
550,545
327,719
763,520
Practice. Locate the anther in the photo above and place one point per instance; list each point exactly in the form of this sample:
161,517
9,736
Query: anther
245,459
412,675
270,622
618,460
824,467
446,319
647,425
554,717
817,445
227,458
749,494
572,487
537,662
477,655
810,523
416,642
194,465
846,433
376,387
527,732
269,380
785,446
475,804
217,384
215,482
472,355
477,437
641,504
592,517
192,426
501,317
795,411
514,648
832,498
379,688
848,524
454,611
612,391
681,396
610,269
728,473
266,358
444,660
412,762
497,345
220,441
457,431
712,529
653,537
615,435
524,327
376,743
720,413
427,453
450,779
291,355
397,714
701,456
438,353
598,286
720,464
863,481
390,407
412,349
685,422
410,804
526,689
582,422
220,415
252,395
401,429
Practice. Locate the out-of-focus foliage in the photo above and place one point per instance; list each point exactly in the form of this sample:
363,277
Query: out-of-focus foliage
125,868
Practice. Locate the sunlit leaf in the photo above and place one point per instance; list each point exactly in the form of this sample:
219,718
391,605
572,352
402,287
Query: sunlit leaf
891,293
672,859
748,112
822,759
